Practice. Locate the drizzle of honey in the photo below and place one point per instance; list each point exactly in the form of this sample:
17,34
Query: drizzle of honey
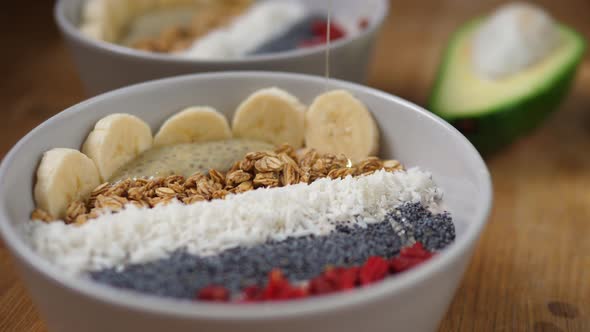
328,42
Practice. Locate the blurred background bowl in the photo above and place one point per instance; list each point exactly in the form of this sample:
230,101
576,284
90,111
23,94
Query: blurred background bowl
413,301
105,66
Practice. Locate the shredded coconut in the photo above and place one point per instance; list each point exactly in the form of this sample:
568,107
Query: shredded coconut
263,22
139,235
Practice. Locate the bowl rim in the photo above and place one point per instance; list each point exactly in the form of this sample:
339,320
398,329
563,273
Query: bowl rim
74,33
208,311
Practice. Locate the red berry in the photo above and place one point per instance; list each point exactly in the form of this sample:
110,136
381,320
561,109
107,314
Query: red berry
278,288
364,23
401,263
276,285
276,277
410,257
374,269
320,28
416,251
252,294
342,278
349,278
320,285
214,294
331,274
297,293
320,31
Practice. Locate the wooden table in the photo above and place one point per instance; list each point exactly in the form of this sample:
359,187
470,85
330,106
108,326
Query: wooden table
531,271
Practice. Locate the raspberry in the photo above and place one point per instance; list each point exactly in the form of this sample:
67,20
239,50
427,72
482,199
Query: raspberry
214,294
374,269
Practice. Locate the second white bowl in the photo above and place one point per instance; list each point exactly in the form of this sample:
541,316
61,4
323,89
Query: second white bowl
104,66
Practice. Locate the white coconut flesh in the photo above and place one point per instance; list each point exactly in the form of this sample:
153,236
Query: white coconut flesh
515,37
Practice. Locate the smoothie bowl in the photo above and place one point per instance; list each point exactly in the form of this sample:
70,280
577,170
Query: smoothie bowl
244,201
150,39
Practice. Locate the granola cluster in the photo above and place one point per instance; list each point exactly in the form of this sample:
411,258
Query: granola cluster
180,37
266,169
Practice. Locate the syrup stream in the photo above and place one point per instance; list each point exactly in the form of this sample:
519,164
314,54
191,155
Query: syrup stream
328,43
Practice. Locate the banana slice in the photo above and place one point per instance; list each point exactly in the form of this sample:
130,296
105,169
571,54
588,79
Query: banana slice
93,11
64,175
116,140
92,30
337,123
93,16
97,20
271,115
118,17
195,124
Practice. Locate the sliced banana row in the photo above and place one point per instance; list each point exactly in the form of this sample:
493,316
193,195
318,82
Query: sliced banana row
107,19
116,140
63,176
195,124
271,115
336,122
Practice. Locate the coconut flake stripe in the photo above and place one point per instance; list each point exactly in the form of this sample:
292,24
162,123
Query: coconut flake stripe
139,235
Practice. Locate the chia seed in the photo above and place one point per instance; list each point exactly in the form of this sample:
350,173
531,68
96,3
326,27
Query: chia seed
301,258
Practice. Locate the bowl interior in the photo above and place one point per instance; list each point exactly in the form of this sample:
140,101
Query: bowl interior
348,10
409,134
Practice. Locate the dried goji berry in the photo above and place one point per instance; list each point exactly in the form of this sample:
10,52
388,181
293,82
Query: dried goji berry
416,251
401,263
214,293
252,294
320,28
333,279
297,293
349,278
409,257
278,288
320,285
364,23
374,269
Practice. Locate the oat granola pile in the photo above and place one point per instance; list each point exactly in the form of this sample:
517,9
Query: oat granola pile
265,169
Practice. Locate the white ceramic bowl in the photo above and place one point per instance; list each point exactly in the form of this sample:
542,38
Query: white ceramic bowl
104,66
412,301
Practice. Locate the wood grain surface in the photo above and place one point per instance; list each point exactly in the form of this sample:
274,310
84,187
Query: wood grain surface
531,271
